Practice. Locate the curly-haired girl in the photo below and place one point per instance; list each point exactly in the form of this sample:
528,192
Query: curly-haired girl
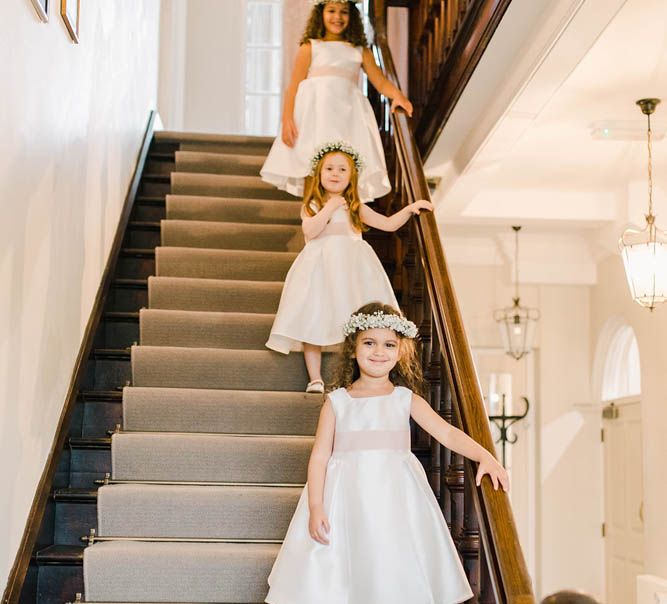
367,527
324,102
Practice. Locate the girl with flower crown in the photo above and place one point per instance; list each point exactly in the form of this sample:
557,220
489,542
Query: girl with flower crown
367,528
337,271
323,101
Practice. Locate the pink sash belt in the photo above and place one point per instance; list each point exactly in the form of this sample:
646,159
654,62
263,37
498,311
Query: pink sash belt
364,440
338,72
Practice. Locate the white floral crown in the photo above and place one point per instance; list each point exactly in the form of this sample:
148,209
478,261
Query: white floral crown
316,2
341,146
380,320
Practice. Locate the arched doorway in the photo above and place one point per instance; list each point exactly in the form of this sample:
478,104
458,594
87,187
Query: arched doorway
619,390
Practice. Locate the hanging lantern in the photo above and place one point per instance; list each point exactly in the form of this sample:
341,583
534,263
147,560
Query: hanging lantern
517,323
645,252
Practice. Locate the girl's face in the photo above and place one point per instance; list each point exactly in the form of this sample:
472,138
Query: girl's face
336,173
336,17
377,351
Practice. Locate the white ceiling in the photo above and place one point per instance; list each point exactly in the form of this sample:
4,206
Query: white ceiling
526,143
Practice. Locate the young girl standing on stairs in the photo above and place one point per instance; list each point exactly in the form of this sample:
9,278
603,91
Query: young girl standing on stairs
323,101
337,271
367,528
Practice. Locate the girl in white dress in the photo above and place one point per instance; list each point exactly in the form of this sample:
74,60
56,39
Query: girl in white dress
367,528
337,271
323,102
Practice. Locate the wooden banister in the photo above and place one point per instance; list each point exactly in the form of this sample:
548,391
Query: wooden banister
481,517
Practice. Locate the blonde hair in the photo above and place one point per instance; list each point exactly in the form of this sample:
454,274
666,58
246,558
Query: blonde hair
407,372
314,193
353,34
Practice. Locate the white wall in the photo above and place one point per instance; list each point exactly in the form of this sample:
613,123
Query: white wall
569,547
214,66
71,118
609,299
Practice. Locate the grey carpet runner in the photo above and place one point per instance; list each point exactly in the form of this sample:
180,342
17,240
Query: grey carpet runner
216,432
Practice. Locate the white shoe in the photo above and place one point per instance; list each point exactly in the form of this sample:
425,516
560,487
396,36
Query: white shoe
316,387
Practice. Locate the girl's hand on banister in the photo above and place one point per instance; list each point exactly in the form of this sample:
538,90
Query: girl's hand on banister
289,132
498,475
403,102
420,205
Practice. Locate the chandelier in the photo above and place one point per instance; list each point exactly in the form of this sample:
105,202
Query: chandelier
645,252
516,322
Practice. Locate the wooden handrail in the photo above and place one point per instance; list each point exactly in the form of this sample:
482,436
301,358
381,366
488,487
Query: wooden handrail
505,565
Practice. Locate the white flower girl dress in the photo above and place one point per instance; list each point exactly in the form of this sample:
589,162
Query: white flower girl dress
336,273
388,543
330,106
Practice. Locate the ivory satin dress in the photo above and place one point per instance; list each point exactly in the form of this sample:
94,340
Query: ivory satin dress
330,106
388,543
336,273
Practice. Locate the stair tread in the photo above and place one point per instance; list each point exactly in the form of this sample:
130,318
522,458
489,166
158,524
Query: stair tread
69,555
138,252
127,282
115,315
74,495
115,396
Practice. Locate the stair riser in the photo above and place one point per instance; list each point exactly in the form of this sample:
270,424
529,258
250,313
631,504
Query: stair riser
110,374
227,148
177,235
214,168
87,466
125,299
159,166
118,334
135,267
73,521
98,417
196,512
58,584
153,189
149,212
142,238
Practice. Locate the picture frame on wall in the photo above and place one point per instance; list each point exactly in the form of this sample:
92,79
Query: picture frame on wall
69,11
42,9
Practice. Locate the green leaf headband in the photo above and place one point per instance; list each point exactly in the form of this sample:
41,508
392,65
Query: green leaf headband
380,320
341,146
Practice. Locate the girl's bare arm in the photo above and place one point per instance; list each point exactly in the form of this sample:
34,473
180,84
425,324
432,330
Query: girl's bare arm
299,73
395,221
382,84
318,524
312,226
458,441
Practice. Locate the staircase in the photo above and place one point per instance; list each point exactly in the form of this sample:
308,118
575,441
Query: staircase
197,435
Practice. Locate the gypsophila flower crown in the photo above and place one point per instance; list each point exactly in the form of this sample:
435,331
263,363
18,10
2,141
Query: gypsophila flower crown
316,2
341,146
380,320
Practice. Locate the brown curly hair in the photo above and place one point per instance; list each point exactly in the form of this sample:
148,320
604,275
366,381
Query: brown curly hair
407,372
353,34
314,193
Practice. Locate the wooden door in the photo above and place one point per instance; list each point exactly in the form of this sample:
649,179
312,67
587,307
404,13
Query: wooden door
624,526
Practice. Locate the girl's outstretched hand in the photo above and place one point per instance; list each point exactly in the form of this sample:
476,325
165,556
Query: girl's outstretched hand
498,475
289,132
419,205
318,525
404,103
